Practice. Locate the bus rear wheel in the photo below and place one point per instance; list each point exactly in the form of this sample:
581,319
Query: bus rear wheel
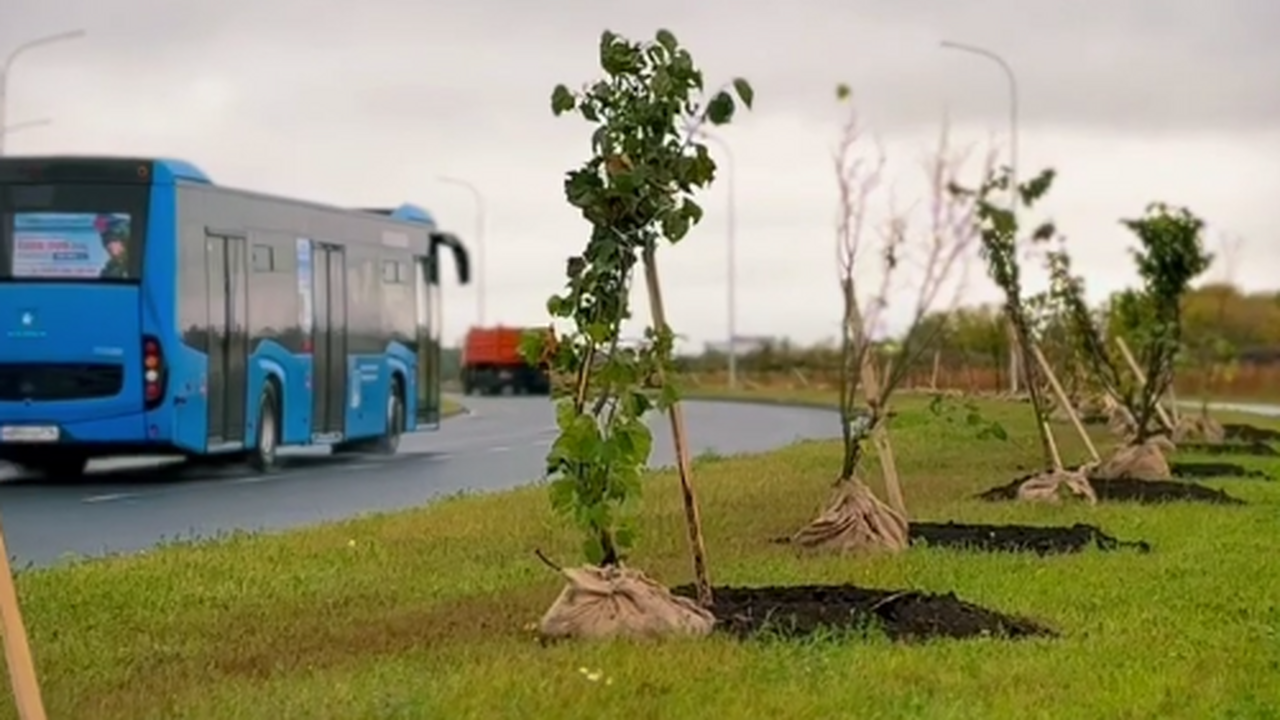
389,443
263,456
66,466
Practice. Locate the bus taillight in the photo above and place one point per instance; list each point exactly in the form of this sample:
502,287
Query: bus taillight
153,372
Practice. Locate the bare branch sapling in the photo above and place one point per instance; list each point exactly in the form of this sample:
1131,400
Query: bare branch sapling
855,519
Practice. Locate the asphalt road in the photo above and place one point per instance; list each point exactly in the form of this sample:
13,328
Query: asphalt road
126,506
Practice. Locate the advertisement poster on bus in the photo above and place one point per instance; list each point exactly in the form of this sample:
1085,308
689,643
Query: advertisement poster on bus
71,245
305,312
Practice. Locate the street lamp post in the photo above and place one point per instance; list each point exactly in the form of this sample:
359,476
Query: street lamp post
8,64
1013,167
479,267
731,260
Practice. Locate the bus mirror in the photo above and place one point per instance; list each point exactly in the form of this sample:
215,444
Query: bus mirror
461,259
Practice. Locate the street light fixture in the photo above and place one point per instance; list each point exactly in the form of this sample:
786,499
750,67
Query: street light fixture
731,258
479,266
8,64
1013,165
25,125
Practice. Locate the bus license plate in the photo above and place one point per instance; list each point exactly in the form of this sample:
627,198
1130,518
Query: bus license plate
29,433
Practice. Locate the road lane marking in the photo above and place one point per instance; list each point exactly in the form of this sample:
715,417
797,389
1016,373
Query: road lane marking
499,448
110,497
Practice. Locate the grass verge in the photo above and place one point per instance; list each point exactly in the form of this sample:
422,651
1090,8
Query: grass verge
450,407
422,614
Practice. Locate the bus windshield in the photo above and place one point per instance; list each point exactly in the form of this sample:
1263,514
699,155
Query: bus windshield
73,232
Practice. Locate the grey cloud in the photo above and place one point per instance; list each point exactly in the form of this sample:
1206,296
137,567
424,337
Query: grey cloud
1136,65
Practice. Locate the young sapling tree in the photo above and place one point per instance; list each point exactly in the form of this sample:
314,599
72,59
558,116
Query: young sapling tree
855,519
636,191
1170,256
998,229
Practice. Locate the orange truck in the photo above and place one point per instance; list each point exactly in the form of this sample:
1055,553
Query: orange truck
491,364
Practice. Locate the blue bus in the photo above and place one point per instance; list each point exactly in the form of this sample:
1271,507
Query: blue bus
147,311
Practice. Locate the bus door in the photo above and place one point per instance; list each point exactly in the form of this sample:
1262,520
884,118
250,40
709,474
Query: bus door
329,341
227,331
427,342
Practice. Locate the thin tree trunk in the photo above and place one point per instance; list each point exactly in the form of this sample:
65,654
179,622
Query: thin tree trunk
1142,381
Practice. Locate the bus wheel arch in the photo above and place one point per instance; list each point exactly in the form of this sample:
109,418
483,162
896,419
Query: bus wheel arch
268,427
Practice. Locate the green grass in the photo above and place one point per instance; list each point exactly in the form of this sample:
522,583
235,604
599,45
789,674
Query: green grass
450,407
423,614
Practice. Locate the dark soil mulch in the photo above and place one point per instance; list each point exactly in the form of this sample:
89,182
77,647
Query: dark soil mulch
1241,432
1256,448
1042,540
903,615
1148,492
1211,470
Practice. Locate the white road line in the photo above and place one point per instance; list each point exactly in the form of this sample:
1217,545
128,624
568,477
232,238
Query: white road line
498,449
110,497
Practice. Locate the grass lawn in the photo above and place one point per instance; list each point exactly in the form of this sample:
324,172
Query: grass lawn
450,407
424,614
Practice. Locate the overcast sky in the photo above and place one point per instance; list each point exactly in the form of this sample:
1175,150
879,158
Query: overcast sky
1131,101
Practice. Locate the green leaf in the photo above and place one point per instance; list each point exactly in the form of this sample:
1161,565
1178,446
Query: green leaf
625,537
843,92
563,493
592,549
745,93
691,211
562,100
667,40
674,226
533,344
720,109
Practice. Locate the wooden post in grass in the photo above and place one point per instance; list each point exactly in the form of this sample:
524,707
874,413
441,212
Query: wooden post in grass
680,440
17,653
1065,401
1142,380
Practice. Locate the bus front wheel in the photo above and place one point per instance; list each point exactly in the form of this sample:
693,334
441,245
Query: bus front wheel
263,457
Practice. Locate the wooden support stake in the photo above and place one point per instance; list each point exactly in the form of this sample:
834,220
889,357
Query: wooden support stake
1142,379
880,437
1053,446
1065,401
937,368
17,652
680,441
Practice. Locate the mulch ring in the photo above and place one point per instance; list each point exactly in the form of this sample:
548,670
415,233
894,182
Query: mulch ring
1256,448
1147,492
1216,470
903,615
1242,432
1042,540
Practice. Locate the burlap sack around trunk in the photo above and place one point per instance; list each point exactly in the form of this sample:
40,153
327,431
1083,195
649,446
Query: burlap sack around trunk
1145,461
1198,428
1053,485
607,602
855,520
